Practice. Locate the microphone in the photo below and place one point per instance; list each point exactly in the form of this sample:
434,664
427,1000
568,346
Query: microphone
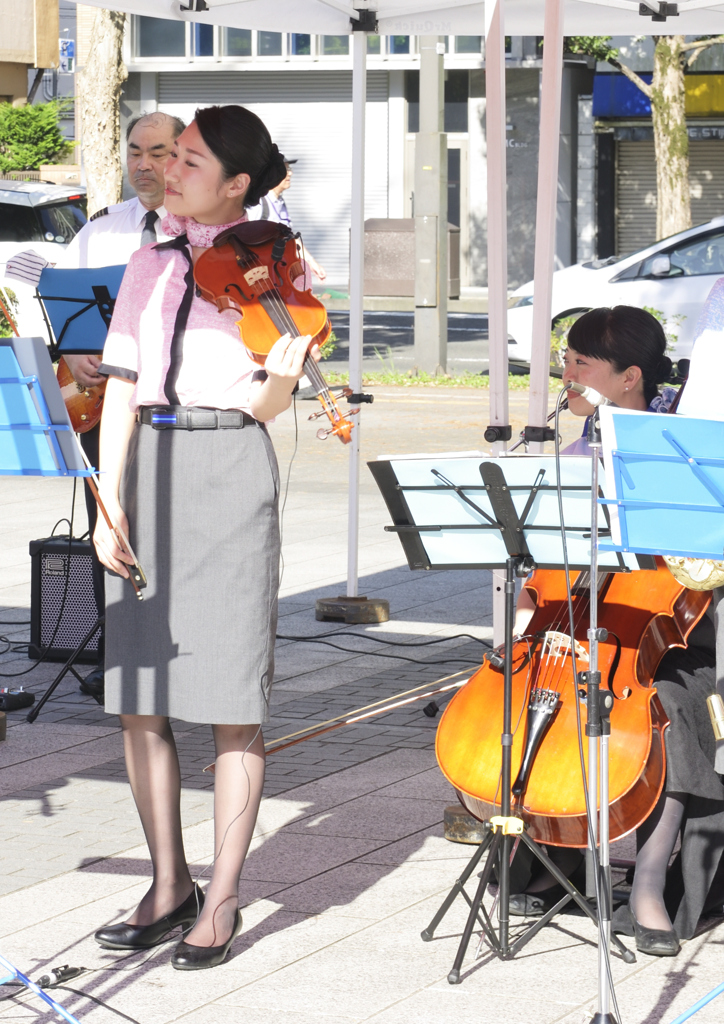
590,396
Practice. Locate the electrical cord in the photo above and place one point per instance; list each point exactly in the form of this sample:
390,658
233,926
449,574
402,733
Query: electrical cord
99,1002
602,939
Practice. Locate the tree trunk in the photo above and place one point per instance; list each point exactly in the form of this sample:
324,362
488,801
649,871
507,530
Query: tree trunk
99,96
668,113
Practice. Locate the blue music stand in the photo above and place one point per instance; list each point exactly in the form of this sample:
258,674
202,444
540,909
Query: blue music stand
36,437
78,306
664,483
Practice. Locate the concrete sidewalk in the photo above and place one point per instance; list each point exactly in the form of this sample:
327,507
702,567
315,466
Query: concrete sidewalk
348,863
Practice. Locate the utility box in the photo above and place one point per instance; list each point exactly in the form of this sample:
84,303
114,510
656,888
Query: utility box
390,257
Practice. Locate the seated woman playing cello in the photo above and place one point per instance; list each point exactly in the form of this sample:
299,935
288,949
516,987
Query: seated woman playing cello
621,353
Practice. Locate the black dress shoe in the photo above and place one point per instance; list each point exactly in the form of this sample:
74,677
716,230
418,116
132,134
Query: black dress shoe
655,941
136,936
94,685
196,958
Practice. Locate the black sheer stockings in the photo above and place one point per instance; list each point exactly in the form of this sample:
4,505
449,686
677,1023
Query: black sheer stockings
655,842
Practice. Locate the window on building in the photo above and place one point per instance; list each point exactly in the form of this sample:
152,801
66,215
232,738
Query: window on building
301,45
373,45
269,44
398,44
158,37
203,40
457,90
237,42
468,44
335,46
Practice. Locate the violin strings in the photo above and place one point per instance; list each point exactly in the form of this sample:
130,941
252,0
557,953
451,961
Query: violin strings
310,366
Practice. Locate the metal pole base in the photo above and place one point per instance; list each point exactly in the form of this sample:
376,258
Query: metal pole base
603,1018
352,610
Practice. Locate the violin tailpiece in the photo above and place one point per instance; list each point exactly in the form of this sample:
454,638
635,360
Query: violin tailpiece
541,709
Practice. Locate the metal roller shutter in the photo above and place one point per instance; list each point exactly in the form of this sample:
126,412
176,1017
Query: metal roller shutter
636,189
309,115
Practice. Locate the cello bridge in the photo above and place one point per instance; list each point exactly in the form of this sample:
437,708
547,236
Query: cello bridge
558,645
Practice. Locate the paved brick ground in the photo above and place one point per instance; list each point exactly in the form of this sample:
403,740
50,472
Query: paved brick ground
348,863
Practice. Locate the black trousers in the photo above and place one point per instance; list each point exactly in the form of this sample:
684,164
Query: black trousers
90,443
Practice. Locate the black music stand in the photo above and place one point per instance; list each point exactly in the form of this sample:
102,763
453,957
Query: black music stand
511,509
77,306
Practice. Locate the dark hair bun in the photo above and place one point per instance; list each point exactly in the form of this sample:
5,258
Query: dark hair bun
268,178
664,370
241,143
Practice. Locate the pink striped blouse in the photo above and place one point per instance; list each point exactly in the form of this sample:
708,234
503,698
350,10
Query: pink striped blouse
215,370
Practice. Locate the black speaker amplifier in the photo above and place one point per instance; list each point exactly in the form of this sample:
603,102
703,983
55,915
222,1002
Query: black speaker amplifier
50,567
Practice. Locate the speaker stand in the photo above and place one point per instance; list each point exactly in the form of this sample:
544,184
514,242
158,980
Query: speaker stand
68,667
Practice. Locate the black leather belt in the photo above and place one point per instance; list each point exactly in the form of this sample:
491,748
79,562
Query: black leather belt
182,417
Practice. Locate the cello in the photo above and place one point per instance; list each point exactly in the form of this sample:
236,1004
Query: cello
255,268
646,613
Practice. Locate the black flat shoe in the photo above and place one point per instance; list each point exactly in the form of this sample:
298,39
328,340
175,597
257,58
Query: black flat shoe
136,936
655,941
196,958
535,904
94,685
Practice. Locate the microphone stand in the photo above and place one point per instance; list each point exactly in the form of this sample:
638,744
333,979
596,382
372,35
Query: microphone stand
598,730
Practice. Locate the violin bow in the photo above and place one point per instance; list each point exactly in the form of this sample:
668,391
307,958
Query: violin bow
136,574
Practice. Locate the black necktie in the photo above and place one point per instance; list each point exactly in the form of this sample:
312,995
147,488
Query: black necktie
148,235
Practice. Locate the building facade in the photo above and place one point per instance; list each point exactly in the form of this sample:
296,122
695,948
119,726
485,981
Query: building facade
28,41
301,86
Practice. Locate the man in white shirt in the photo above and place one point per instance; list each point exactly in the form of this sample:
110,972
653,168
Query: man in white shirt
110,238
114,233
272,207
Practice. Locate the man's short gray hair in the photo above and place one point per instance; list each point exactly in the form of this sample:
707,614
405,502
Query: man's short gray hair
156,119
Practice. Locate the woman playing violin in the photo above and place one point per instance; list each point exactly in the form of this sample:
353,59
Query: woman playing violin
621,353
189,473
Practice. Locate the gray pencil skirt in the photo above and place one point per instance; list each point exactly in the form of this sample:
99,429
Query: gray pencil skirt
204,523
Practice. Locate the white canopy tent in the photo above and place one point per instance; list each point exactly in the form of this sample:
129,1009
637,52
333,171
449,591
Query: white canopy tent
494,18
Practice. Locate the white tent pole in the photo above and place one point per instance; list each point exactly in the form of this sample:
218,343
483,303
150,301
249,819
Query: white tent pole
497,221
497,215
356,293
545,224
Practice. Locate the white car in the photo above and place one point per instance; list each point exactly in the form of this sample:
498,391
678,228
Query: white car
674,275
42,217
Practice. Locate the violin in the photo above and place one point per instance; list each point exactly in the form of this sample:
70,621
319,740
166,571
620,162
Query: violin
256,269
646,614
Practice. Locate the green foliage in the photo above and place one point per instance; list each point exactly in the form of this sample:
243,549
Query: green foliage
30,136
10,300
559,338
592,46
329,346
670,325
408,379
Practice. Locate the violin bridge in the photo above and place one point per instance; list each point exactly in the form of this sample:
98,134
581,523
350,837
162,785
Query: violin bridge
256,274
542,706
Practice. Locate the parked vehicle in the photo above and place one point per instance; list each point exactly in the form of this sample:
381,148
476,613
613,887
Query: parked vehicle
39,216
674,275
